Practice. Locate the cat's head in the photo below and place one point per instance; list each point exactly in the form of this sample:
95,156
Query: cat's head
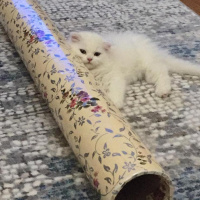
90,47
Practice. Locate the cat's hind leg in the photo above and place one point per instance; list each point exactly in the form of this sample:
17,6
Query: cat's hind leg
158,75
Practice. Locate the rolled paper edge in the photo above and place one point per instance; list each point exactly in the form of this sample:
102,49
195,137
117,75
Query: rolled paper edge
164,177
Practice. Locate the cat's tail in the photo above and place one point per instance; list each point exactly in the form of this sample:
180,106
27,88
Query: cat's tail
179,66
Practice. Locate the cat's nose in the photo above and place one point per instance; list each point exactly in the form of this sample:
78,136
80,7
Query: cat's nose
89,59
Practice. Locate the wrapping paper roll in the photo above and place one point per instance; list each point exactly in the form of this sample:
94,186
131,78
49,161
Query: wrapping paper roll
117,164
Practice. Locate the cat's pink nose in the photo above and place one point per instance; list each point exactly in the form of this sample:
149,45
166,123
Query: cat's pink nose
89,59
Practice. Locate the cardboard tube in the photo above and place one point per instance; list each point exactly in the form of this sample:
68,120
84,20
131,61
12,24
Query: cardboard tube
117,164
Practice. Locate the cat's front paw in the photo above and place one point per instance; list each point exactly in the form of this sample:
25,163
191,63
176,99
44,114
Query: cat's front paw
117,100
117,97
119,103
163,91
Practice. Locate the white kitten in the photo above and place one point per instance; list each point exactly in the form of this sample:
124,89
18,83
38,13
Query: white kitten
120,58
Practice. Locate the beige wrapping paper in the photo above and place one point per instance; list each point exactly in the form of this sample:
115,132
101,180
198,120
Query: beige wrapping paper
113,158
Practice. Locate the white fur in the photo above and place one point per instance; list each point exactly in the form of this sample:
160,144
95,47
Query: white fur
127,57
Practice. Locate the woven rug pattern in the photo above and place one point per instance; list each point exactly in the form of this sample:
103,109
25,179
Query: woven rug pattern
36,162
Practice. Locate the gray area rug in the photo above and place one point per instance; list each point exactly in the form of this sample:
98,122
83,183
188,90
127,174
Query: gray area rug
36,162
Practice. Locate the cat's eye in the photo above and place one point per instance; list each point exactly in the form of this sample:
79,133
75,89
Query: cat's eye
97,53
83,51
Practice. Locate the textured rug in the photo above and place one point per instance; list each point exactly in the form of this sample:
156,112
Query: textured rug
36,162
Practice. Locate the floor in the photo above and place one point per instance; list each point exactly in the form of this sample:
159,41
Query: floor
193,4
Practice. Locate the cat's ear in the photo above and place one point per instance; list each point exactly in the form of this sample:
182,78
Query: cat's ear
75,37
106,46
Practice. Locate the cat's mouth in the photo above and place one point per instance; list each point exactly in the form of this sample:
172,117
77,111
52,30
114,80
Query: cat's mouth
89,65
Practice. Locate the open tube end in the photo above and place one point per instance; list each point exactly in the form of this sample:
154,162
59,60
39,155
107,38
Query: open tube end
145,187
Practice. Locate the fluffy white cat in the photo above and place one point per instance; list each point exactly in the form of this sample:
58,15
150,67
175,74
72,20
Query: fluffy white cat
117,59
